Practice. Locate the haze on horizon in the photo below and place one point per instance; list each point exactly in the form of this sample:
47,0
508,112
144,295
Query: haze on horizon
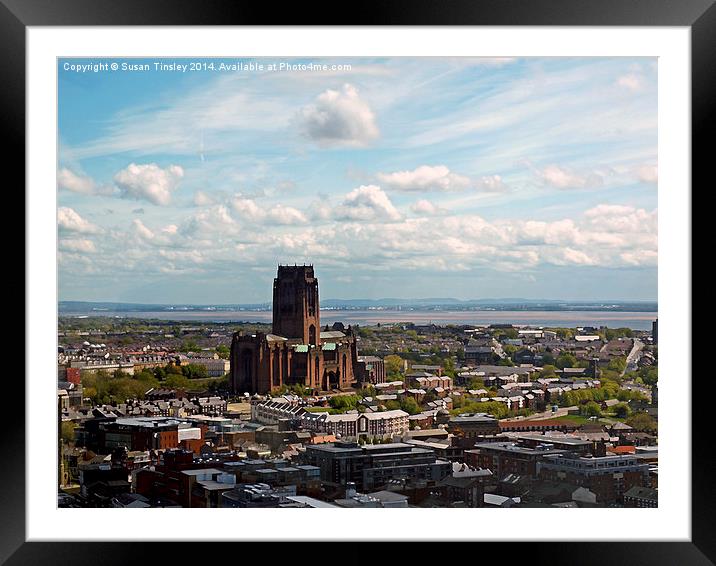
468,178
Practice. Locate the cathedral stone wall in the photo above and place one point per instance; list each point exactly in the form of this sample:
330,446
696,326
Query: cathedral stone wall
297,351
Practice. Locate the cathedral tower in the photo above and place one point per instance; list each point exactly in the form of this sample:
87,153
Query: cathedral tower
295,304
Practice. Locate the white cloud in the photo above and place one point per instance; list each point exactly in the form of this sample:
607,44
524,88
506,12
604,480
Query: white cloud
367,202
648,174
622,219
202,198
640,258
281,214
631,82
70,221
82,184
183,256
168,236
565,179
365,232
149,182
577,257
209,223
424,178
77,245
438,178
321,209
249,211
70,181
490,183
141,230
339,118
427,208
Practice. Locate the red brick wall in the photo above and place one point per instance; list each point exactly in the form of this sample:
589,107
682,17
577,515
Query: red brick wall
193,444
169,439
73,375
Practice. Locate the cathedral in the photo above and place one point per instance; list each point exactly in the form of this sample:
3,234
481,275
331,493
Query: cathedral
297,351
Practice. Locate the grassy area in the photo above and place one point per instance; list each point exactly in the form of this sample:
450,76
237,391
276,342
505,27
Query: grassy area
576,419
580,420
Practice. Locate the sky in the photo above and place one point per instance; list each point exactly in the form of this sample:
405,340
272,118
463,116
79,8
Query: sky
399,177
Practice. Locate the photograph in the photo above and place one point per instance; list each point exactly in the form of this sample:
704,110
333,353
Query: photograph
358,282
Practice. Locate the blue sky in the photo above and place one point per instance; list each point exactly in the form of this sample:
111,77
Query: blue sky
402,177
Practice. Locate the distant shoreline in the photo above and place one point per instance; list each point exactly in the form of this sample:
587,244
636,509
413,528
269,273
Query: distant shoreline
637,320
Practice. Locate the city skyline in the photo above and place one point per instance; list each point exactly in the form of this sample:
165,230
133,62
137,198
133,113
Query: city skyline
404,177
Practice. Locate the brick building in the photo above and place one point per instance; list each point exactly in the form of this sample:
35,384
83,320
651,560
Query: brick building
504,458
102,435
373,466
472,426
609,477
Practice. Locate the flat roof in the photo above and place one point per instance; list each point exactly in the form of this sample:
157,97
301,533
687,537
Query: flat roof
202,471
515,449
310,501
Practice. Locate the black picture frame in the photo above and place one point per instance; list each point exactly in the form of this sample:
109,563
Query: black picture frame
698,15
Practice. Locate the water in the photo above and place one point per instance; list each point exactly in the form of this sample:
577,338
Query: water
570,319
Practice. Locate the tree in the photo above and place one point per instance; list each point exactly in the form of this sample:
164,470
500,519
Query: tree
366,332
643,422
67,431
393,364
610,388
547,358
617,364
548,370
591,409
564,333
148,379
621,410
219,384
462,405
344,402
368,391
650,375
612,333
194,371
510,349
410,405
176,381
223,350
173,369
565,360
189,346
611,375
